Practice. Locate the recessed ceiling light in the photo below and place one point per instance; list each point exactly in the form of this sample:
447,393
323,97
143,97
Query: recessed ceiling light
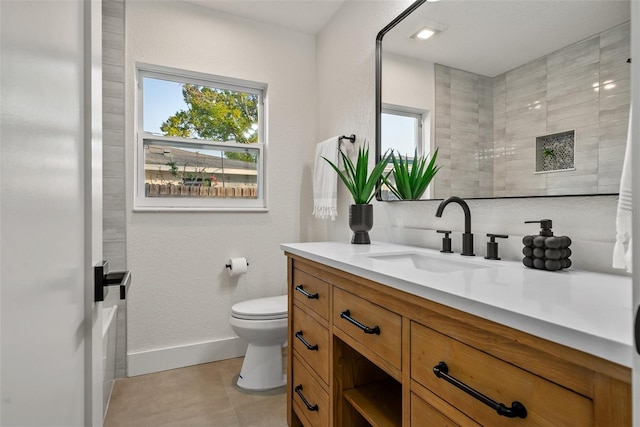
424,34
427,30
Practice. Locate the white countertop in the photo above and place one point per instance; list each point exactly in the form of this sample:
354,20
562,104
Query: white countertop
591,312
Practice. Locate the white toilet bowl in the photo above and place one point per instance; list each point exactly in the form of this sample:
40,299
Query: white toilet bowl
262,323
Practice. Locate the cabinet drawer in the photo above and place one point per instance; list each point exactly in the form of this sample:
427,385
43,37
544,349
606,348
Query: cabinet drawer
311,292
386,343
546,403
423,414
316,408
316,350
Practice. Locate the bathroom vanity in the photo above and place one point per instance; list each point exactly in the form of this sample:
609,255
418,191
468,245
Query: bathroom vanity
390,335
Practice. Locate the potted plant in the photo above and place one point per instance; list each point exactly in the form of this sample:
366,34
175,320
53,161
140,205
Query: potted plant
550,153
362,185
411,178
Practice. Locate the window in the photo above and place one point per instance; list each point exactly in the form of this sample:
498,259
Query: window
403,132
200,143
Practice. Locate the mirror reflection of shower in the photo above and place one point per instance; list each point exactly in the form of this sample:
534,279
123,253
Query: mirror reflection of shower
500,77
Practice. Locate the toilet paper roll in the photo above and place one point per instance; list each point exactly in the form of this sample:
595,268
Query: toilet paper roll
237,266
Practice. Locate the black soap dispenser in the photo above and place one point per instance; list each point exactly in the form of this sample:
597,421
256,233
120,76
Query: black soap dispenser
546,251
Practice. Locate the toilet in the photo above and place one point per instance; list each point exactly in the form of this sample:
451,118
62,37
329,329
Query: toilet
262,323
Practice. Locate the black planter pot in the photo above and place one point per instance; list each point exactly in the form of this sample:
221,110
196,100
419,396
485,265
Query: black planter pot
360,222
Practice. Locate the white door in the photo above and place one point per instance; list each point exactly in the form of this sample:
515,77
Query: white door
50,213
635,97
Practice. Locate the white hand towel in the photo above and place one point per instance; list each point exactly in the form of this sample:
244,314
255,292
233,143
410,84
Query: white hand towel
622,257
325,180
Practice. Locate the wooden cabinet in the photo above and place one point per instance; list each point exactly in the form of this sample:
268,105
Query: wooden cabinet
311,343
377,348
371,326
543,402
310,398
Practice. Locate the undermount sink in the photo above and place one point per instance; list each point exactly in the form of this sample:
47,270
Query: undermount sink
422,261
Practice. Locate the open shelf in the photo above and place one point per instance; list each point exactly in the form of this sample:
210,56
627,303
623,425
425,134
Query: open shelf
380,403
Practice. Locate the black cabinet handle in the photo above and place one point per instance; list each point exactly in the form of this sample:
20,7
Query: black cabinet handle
298,390
300,289
636,330
441,370
367,330
303,341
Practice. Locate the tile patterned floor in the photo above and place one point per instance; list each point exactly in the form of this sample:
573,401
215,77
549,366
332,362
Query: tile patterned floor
195,396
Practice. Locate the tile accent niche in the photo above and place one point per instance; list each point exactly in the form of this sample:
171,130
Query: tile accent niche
487,127
555,153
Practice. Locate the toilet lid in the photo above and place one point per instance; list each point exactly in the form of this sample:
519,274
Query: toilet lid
261,308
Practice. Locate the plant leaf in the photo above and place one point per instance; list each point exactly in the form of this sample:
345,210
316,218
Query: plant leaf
356,177
411,178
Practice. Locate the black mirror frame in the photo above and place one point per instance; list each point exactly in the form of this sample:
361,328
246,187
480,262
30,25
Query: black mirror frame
378,84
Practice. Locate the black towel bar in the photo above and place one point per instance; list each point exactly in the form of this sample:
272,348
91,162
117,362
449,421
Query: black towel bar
351,138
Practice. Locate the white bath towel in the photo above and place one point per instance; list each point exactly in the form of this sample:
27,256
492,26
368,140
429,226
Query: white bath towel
622,254
325,180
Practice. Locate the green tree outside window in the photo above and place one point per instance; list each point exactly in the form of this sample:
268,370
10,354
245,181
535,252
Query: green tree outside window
217,115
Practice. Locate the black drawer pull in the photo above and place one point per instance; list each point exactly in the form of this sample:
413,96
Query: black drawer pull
441,370
298,390
303,341
367,330
300,289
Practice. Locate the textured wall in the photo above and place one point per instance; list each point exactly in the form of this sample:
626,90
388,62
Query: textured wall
181,293
590,221
346,82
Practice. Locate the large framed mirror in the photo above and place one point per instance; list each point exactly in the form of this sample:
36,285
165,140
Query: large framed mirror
521,98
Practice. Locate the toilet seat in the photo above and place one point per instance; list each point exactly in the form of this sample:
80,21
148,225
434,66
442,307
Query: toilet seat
269,308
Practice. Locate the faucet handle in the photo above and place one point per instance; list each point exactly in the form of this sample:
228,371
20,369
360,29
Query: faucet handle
493,237
492,245
446,241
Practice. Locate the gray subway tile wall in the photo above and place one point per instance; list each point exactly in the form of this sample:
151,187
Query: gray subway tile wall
113,161
584,87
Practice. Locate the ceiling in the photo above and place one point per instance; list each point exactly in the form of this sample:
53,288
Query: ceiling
307,16
487,37
491,37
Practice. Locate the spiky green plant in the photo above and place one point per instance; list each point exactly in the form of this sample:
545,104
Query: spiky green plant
360,183
411,179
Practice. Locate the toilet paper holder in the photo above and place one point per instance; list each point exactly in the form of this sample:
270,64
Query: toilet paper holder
229,265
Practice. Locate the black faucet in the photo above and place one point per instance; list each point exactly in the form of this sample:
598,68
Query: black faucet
467,237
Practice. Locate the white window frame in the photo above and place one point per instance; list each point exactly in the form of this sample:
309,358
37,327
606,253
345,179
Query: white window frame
422,136
419,115
143,203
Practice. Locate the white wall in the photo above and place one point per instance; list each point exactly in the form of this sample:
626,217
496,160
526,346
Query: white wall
408,82
346,100
346,83
181,295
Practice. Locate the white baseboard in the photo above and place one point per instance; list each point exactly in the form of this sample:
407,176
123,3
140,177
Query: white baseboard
146,362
